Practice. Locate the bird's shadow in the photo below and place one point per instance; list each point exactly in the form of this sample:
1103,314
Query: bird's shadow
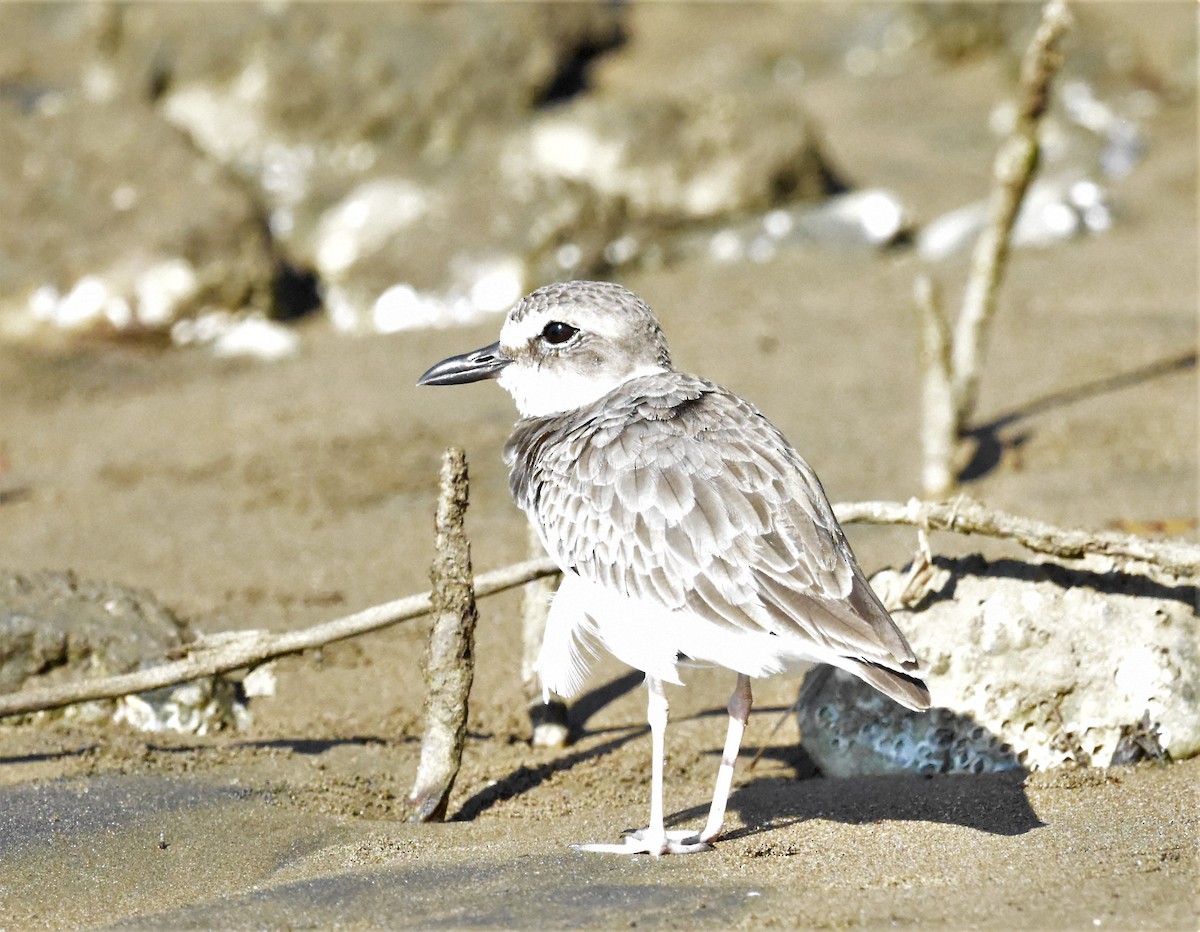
991,802
526,778
994,803
587,705
993,439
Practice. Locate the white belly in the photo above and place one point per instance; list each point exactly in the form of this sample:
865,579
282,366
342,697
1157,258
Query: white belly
584,617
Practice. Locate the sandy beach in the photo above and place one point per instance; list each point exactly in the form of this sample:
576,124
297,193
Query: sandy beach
276,495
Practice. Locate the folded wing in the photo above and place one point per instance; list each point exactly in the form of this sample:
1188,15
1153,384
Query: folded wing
676,491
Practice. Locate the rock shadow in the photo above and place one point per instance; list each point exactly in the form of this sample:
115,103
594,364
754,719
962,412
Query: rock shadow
44,756
312,746
1114,582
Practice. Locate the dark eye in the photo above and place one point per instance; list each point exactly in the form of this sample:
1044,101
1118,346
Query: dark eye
557,332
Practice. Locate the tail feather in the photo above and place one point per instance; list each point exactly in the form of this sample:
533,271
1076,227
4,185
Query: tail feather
905,688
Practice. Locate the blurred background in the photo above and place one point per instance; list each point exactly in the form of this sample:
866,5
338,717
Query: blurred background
233,235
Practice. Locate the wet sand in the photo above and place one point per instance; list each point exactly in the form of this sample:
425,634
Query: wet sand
299,833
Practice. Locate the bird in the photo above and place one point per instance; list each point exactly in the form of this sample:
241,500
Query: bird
688,530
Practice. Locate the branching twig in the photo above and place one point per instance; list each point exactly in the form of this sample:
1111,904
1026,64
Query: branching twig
966,517
1016,162
450,656
241,649
962,365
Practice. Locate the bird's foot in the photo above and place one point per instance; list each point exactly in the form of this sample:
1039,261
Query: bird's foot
643,842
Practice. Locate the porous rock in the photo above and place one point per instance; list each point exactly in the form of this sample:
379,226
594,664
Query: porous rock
56,628
850,729
1029,663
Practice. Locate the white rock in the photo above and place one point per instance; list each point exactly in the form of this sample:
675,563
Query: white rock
162,289
1054,209
1058,664
403,307
364,221
83,304
258,337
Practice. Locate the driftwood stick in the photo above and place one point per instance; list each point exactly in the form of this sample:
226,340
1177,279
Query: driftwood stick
450,655
1015,165
237,650
963,516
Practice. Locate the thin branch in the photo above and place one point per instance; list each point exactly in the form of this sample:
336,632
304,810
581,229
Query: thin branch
1015,164
236,650
963,516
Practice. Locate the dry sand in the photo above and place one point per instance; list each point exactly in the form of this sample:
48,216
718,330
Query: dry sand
280,495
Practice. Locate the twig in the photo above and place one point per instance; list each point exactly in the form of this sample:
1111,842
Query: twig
962,516
916,583
939,430
450,656
236,650
1014,167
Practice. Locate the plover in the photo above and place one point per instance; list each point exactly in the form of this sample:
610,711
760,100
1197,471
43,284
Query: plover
688,530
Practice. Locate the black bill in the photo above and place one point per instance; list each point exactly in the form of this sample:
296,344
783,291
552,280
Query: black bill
484,363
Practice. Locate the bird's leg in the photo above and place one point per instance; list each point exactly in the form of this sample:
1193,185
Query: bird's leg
655,839
657,711
739,714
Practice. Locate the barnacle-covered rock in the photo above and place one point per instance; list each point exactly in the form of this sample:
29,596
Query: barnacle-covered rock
56,628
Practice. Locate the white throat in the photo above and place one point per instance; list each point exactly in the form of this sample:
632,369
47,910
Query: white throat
539,393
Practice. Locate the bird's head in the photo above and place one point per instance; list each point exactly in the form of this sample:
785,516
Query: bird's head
564,346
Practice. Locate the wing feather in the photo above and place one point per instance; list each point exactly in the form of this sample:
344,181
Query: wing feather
676,491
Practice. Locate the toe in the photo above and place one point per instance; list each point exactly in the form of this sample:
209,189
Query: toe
641,842
686,843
